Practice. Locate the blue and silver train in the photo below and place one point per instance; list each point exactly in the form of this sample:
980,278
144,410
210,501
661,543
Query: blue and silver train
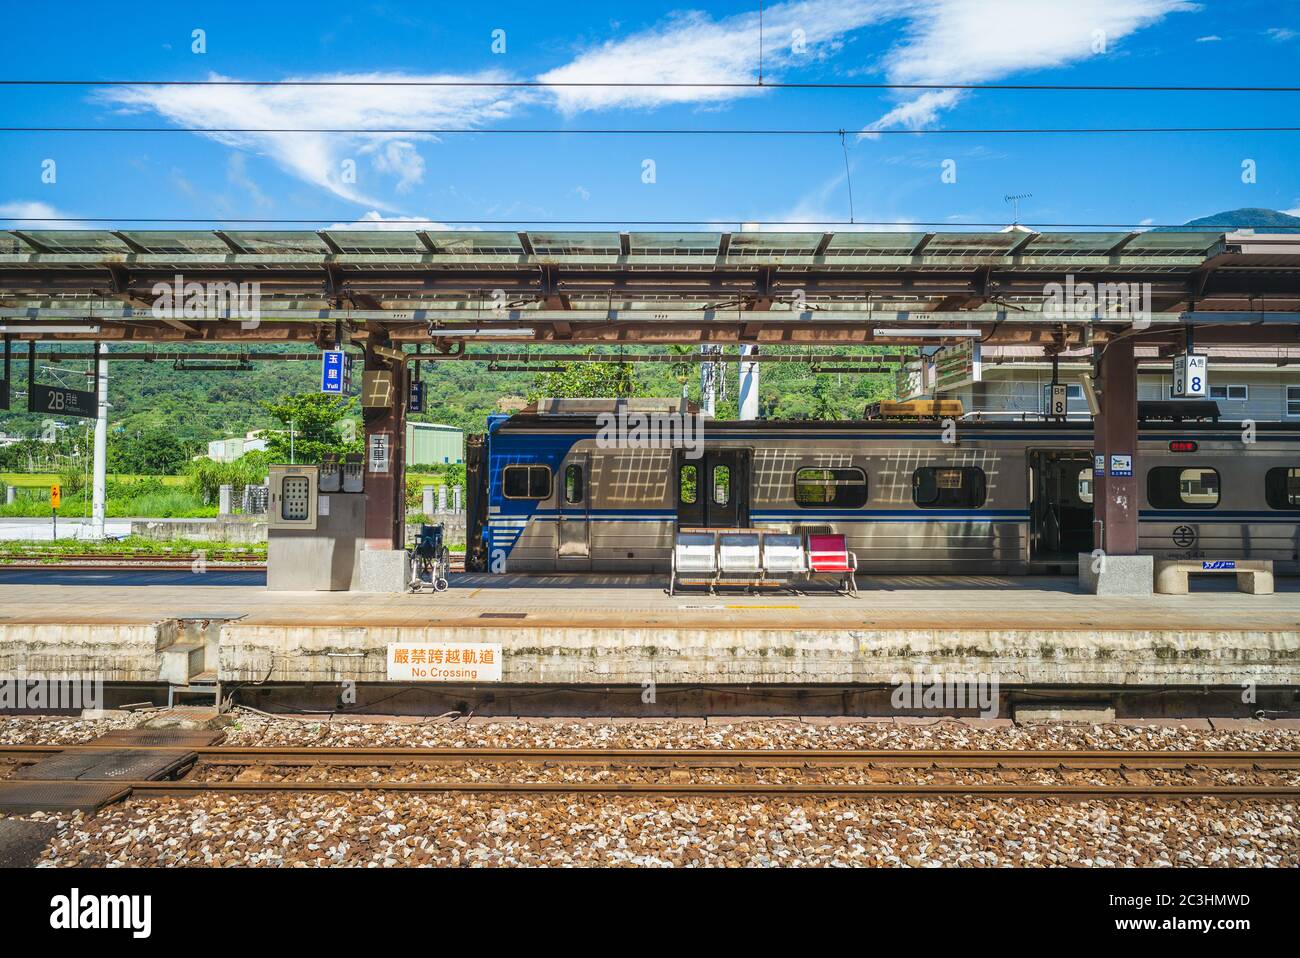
549,492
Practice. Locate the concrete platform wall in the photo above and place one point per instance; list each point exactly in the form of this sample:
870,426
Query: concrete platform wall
743,656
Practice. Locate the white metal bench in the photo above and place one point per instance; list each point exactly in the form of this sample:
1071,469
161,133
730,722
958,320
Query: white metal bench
695,560
783,556
1253,575
739,561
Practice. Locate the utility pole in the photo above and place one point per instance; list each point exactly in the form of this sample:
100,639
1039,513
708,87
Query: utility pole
101,445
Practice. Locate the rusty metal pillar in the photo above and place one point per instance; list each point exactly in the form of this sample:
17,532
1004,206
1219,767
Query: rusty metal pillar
384,391
1115,430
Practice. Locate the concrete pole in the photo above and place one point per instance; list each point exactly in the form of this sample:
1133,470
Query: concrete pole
708,387
101,448
456,493
442,498
748,383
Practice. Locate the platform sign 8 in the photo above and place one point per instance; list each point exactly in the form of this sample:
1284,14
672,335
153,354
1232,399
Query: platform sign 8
1190,377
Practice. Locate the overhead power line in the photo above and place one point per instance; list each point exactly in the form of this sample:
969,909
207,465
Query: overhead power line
655,131
666,84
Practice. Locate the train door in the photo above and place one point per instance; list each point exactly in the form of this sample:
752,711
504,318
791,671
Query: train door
713,490
1060,507
573,540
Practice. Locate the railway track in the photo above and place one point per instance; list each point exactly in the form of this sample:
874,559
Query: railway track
879,773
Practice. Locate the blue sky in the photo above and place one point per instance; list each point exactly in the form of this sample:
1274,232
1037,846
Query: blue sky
709,180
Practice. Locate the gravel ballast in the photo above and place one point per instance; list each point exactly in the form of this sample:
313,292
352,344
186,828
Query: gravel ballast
384,829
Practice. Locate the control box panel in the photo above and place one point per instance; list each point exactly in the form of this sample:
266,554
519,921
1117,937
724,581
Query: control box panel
294,498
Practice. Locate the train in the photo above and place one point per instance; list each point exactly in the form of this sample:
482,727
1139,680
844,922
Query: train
553,490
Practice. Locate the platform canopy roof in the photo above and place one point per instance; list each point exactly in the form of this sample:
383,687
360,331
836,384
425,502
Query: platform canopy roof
451,287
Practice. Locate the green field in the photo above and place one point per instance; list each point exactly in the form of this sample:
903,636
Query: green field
156,497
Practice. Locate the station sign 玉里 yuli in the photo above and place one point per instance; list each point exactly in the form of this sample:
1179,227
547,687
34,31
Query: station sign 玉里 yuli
335,372
444,662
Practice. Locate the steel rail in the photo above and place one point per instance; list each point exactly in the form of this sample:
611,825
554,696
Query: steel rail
944,758
183,788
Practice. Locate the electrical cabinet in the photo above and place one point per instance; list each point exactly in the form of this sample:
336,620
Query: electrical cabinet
316,521
293,500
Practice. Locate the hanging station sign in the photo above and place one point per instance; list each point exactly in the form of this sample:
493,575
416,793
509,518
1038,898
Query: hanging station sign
60,400
335,372
957,365
1191,377
415,396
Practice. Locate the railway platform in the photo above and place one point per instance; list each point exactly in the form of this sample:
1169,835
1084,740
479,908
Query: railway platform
626,631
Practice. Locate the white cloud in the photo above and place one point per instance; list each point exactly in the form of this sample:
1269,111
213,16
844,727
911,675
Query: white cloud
318,158
944,41
693,48
1282,34
35,215
398,158
981,41
374,220
1212,38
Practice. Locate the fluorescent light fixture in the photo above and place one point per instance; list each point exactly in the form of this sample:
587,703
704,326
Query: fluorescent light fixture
938,333
20,328
445,331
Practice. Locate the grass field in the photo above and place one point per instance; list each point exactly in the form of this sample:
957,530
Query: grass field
43,480
131,545
157,497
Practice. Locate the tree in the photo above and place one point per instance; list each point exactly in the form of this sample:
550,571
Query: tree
586,381
150,452
314,425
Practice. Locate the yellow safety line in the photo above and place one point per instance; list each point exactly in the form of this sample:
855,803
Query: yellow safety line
764,607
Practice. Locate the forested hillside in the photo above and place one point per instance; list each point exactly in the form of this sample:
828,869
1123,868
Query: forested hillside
196,406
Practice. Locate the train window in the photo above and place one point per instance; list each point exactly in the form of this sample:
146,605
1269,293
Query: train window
721,485
1282,488
687,477
526,482
962,487
1169,487
1085,485
573,483
830,488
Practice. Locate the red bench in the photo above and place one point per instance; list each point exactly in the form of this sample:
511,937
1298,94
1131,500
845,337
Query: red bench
830,555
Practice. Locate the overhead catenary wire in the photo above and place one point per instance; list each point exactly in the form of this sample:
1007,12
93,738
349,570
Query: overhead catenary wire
672,84
659,131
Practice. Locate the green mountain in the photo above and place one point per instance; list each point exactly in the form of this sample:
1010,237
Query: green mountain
1248,217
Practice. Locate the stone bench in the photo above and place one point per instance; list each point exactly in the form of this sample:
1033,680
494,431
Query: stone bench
1253,575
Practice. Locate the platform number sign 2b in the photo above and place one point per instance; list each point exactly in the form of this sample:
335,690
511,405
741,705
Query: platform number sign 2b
1190,377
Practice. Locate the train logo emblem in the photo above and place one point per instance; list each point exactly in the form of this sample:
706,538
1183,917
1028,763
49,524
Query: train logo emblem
1184,536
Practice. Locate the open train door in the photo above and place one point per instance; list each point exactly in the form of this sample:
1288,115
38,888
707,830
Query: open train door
476,503
1060,508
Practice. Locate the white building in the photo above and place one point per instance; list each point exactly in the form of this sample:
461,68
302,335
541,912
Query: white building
228,450
1248,382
